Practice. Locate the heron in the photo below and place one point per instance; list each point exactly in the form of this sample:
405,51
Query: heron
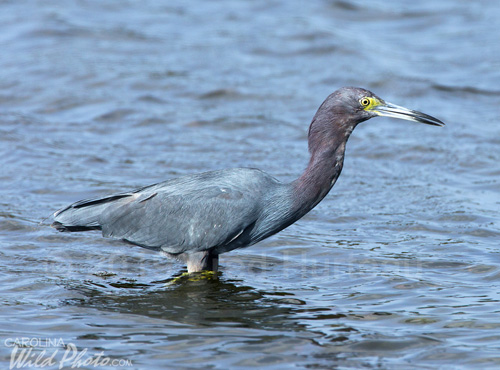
197,217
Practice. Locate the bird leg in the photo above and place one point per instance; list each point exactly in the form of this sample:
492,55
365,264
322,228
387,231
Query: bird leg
202,261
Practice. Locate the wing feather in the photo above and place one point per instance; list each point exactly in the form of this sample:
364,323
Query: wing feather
190,213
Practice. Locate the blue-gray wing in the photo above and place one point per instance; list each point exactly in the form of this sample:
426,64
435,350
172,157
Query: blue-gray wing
191,213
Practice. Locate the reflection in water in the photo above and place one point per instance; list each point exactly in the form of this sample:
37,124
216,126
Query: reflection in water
199,300
201,309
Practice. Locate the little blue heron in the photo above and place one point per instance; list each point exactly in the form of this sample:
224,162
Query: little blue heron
195,218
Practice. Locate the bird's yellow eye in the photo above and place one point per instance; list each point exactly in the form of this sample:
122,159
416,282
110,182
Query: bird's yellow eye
364,102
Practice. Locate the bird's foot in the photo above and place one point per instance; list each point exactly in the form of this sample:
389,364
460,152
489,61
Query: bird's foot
194,276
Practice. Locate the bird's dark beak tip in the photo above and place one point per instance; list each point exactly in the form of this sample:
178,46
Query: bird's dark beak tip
437,123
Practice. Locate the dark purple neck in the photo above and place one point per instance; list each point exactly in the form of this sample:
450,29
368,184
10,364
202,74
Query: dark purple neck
327,143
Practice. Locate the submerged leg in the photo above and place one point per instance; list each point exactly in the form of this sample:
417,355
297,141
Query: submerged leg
202,261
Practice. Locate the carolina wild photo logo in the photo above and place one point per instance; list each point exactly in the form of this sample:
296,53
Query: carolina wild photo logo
45,352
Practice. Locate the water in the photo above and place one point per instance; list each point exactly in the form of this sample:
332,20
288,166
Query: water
398,268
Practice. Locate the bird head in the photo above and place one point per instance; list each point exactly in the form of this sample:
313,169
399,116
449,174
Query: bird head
344,109
357,105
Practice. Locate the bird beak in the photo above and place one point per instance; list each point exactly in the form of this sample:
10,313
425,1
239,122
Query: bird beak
395,111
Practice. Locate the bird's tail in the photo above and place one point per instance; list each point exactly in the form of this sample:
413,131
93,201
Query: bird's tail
83,215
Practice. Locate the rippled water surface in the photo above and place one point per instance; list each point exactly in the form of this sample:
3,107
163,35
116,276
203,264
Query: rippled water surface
398,268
